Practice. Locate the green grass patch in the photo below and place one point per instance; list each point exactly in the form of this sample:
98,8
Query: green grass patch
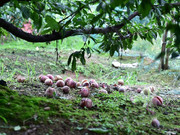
113,113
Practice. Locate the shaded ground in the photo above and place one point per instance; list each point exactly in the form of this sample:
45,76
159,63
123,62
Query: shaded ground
115,113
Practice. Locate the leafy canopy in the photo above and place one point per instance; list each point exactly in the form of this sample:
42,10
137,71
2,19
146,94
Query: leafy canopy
114,24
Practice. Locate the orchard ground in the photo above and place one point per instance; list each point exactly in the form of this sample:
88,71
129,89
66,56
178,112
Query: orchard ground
24,107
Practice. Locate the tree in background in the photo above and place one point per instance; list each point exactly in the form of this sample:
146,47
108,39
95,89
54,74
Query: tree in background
115,22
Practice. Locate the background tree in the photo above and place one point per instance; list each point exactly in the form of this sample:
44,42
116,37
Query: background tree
116,22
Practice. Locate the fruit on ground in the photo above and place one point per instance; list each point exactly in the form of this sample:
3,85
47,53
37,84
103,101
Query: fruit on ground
85,84
121,82
85,80
157,100
139,90
155,123
103,91
21,79
71,84
86,102
94,85
122,89
84,92
50,92
48,82
43,78
65,89
78,84
67,80
60,83
50,76
152,89
58,77
146,92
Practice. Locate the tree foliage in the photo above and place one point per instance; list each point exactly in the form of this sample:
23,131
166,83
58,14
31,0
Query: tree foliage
118,23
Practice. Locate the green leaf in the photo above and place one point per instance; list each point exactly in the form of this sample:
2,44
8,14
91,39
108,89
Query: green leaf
74,64
45,31
145,7
115,3
112,50
37,20
69,59
82,59
52,23
4,119
25,12
96,18
99,6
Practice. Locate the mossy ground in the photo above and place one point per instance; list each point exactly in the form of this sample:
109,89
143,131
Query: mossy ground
24,103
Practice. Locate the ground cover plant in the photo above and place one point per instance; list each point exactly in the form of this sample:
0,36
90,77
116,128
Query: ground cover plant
25,108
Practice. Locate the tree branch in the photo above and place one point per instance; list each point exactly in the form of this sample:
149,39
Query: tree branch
2,2
57,35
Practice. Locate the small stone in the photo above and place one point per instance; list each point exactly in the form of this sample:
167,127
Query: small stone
47,108
116,64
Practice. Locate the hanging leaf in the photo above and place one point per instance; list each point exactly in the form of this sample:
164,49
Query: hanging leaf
52,23
145,7
96,18
74,64
37,20
69,59
82,59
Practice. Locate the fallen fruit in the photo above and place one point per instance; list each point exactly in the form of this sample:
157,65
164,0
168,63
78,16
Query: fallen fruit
50,92
152,89
60,83
71,84
155,123
67,80
157,100
43,78
84,92
58,77
65,89
48,82
21,79
40,76
94,85
78,84
139,90
92,81
122,89
103,91
146,92
85,84
85,80
86,102
50,76
121,82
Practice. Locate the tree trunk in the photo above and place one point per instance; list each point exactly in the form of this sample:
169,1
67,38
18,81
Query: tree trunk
166,66
57,53
163,51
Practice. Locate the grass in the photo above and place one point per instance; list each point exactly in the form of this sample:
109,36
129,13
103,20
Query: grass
113,113
71,43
